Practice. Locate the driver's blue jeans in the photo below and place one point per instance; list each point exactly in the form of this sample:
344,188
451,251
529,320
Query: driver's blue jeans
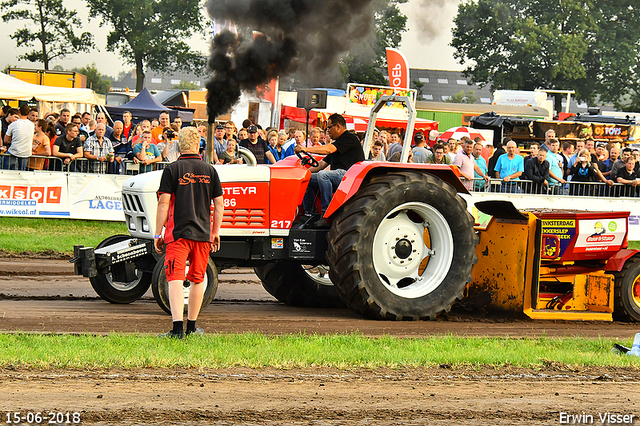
326,182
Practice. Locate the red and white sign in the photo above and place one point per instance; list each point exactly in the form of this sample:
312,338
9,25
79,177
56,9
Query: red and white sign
398,69
601,235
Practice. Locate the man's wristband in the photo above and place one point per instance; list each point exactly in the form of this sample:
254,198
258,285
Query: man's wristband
157,236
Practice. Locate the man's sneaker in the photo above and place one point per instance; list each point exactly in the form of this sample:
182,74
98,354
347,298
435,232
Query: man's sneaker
321,223
171,335
198,332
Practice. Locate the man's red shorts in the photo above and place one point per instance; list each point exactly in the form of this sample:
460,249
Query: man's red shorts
178,252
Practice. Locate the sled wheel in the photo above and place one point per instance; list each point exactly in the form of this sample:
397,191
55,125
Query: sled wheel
627,291
299,285
160,286
402,248
116,291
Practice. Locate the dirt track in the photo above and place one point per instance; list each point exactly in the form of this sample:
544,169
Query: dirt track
61,302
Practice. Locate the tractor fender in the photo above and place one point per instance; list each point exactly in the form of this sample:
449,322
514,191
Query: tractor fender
354,177
617,261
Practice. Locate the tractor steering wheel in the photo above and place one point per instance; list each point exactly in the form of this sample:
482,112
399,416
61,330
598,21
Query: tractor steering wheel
307,159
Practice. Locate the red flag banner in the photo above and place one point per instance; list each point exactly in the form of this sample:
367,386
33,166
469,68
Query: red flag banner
398,69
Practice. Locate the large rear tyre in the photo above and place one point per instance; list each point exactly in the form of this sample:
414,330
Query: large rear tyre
116,291
160,286
627,291
299,285
402,248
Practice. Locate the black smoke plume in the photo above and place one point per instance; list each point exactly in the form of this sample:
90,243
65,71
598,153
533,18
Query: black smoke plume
302,37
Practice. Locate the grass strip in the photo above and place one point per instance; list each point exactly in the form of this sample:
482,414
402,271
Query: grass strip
19,235
254,350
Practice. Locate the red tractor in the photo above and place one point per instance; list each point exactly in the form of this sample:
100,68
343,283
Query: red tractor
401,244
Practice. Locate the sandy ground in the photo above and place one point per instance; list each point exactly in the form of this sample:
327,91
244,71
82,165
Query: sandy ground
42,295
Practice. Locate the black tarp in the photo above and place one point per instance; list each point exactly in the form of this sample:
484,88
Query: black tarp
145,106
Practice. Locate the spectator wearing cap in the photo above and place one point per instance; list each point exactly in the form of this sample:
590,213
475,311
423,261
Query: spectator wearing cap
258,146
420,151
219,142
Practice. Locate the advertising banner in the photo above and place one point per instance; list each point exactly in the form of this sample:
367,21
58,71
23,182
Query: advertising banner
96,197
398,69
369,95
33,195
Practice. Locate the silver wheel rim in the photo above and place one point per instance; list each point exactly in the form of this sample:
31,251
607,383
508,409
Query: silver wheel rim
124,286
319,273
399,248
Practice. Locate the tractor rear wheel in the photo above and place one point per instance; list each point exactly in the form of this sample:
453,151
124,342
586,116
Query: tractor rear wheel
160,286
402,248
116,291
299,285
627,291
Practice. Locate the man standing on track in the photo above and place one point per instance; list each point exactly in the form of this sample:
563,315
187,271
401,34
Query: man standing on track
187,187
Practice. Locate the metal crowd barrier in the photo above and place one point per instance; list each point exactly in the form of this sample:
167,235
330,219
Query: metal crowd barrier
573,189
83,165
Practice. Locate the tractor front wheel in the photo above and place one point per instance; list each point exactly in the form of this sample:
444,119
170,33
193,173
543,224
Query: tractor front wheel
160,286
116,291
299,285
627,291
402,248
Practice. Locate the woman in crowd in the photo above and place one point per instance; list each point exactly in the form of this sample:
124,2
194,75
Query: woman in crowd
135,134
385,138
41,145
584,171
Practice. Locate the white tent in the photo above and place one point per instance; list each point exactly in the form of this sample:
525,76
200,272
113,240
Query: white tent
15,89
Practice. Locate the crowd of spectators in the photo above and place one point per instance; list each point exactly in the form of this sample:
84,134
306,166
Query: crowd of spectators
81,143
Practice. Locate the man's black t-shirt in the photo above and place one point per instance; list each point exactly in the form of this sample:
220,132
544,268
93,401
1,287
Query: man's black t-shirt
624,174
66,146
259,149
192,184
349,152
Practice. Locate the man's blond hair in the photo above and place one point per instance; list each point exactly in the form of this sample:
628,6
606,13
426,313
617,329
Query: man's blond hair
189,139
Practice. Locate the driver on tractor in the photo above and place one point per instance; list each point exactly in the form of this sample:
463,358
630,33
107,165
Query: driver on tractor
343,153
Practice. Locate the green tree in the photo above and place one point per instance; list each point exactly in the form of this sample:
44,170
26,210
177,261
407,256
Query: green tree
152,34
529,44
368,66
50,27
418,85
186,85
463,98
100,83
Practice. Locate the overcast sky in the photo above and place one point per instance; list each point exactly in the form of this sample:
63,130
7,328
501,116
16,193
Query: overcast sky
425,44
